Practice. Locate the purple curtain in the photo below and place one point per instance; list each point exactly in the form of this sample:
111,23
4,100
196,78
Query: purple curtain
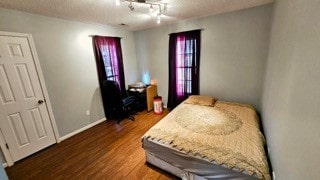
109,60
184,61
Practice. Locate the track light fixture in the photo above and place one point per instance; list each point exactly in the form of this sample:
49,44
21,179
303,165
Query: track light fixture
161,6
131,7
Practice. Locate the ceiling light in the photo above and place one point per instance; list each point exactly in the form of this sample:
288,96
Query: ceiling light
151,8
151,3
118,2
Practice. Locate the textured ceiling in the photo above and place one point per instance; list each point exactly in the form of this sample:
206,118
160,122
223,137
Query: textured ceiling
106,12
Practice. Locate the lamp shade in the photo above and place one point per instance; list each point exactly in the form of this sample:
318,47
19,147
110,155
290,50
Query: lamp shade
153,82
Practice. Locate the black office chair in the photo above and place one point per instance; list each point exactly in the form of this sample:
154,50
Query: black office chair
116,106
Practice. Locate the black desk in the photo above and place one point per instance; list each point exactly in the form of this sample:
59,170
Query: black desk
141,99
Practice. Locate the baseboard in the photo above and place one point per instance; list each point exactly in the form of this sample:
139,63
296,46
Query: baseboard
4,165
82,129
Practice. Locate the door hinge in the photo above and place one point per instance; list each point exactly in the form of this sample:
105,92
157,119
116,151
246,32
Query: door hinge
7,146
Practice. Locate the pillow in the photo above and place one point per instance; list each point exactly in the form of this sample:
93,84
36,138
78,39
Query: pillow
200,100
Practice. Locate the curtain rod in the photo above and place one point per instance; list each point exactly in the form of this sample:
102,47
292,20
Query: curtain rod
101,35
187,31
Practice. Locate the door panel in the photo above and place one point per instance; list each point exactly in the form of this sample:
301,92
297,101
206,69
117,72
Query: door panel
38,123
15,50
24,79
19,129
6,93
25,123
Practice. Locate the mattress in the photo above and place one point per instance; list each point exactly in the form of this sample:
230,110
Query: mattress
223,140
184,165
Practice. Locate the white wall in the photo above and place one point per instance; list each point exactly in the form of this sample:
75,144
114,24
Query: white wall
234,49
66,56
291,96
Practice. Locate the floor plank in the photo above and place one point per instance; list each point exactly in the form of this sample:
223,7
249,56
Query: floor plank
105,151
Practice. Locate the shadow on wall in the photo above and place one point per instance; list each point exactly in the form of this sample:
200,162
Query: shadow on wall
96,106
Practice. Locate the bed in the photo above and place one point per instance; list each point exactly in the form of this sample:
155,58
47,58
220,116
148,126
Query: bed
207,139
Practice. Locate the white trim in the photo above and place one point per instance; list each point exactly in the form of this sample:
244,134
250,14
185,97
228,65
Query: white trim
4,165
13,34
82,129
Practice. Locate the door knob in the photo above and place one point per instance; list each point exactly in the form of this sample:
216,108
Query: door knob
40,101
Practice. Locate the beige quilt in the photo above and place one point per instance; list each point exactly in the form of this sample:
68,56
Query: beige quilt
227,134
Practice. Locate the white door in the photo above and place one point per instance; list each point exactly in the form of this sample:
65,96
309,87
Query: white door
24,118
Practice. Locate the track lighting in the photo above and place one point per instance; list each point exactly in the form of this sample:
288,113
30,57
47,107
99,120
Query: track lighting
161,6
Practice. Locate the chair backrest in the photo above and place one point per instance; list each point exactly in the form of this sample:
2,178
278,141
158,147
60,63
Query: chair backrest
111,93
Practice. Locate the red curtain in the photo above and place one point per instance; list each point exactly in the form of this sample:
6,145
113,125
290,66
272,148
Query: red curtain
184,63
109,60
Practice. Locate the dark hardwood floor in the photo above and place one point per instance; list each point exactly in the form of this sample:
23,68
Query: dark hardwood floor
105,151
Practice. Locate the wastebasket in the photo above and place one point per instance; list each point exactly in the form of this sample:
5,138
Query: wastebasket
157,105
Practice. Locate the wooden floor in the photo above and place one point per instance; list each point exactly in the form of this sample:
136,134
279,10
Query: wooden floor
105,151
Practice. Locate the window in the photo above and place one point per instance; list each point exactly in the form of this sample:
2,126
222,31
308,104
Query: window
109,60
184,63
110,63
184,58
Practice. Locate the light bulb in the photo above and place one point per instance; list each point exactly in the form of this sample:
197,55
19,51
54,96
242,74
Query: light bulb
118,3
151,8
165,7
159,18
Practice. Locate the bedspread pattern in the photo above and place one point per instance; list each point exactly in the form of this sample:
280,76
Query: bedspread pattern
227,134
